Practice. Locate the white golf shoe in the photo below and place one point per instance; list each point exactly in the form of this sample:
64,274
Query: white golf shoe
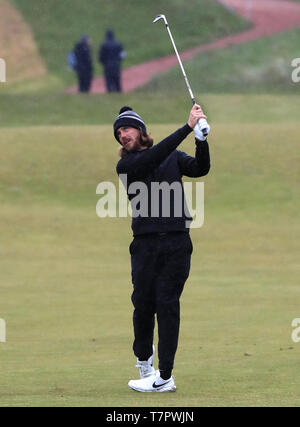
153,383
146,367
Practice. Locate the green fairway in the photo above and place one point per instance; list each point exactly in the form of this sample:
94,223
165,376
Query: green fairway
65,273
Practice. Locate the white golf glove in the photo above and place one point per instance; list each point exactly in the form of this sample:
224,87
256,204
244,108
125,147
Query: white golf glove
202,124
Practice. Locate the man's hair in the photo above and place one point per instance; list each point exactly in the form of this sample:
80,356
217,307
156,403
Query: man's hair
145,141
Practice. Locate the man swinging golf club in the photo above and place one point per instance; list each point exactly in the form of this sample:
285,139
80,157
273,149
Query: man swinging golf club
161,249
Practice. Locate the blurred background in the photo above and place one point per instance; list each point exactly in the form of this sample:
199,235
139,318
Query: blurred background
65,273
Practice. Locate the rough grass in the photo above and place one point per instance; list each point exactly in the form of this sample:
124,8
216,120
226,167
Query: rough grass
65,273
17,45
263,65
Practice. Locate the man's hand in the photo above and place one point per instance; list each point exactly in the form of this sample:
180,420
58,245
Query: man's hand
195,115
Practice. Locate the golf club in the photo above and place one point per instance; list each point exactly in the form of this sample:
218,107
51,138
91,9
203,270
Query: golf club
202,122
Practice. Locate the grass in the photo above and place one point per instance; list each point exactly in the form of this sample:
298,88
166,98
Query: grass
81,110
17,45
65,273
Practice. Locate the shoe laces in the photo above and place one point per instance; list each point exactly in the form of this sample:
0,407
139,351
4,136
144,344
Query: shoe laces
144,367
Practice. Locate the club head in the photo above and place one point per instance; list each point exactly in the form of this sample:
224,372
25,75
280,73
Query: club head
160,17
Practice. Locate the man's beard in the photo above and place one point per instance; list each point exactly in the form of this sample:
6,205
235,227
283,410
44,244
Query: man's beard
134,145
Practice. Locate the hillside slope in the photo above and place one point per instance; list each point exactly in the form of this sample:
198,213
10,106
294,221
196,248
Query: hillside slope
17,45
58,24
263,65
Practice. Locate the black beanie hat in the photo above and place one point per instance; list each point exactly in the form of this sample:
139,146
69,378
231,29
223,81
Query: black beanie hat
127,117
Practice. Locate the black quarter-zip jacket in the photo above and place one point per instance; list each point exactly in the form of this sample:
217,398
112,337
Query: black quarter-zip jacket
162,163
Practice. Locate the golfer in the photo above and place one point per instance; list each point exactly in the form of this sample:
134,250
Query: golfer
161,248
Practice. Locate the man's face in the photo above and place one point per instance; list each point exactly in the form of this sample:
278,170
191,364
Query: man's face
129,138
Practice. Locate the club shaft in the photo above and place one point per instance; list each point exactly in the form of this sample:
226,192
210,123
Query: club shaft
181,65
204,129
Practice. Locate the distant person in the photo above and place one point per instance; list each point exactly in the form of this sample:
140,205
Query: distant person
84,64
111,54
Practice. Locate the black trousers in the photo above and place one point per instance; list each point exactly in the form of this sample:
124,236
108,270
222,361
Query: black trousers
113,78
84,80
160,268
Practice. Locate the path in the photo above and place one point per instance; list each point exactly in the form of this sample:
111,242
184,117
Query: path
268,16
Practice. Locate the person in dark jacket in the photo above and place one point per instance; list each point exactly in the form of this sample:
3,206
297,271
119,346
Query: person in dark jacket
111,54
161,248
84,64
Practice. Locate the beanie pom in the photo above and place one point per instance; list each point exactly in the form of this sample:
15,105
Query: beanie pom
126,108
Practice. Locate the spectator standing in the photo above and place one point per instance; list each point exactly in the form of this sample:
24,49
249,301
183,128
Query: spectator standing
84,64
111,54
